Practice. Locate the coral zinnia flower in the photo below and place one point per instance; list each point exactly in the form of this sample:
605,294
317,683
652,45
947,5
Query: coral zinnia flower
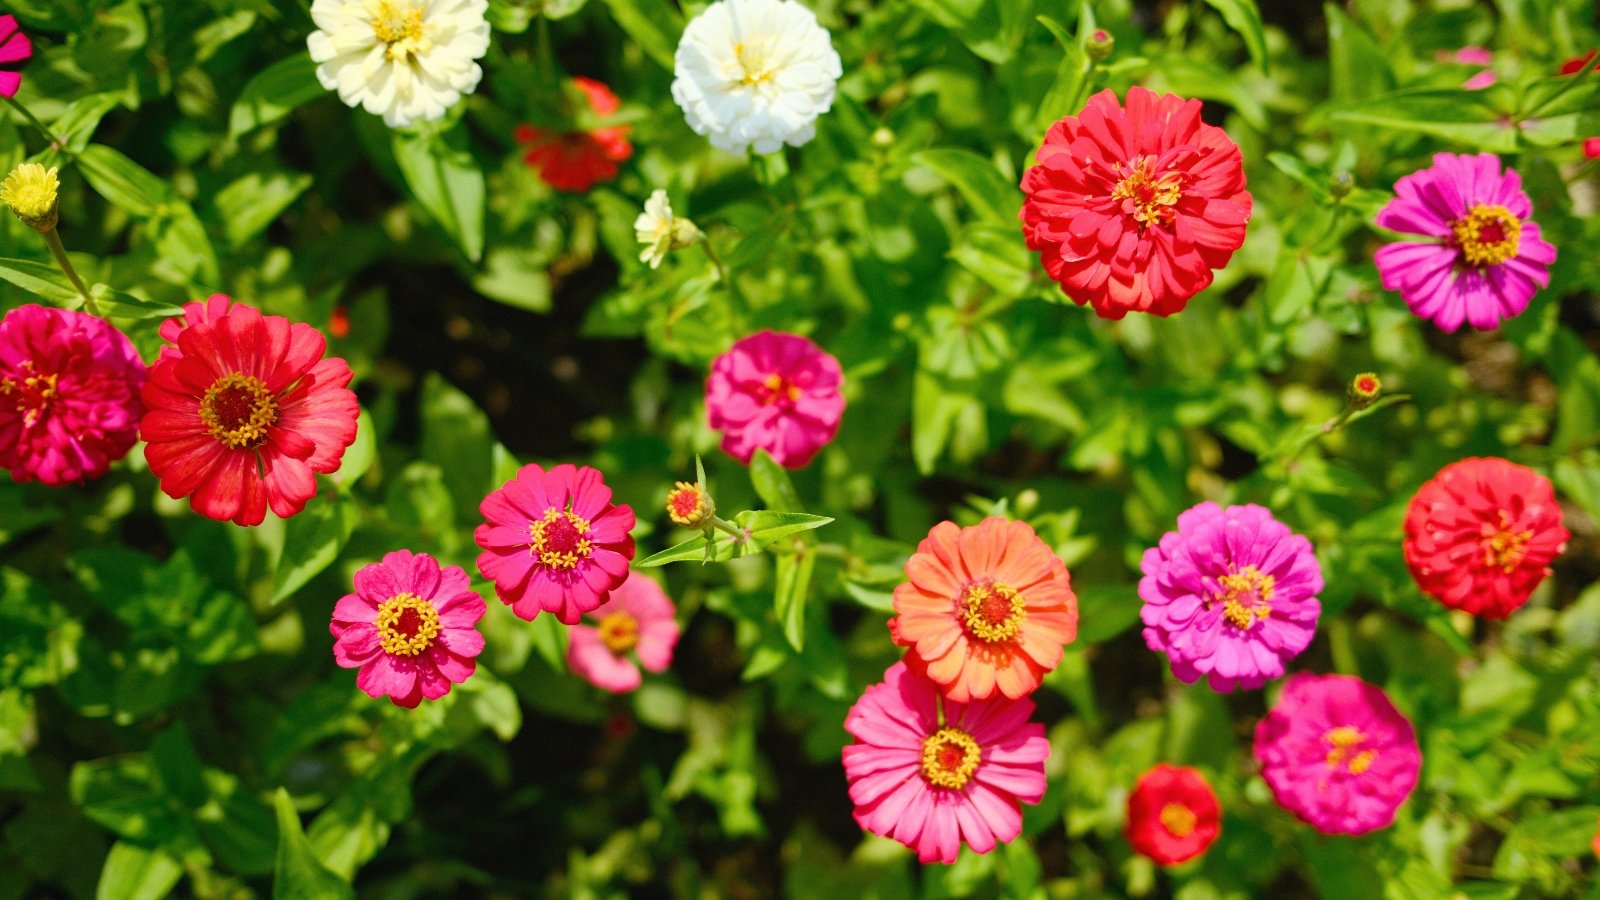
778,392
1337,754
1481,533
637,619
934,774
15,51
69,395
244,412
984,608
1231,594
1131,208
577,160
552,541
411,627
1173,815
1486,259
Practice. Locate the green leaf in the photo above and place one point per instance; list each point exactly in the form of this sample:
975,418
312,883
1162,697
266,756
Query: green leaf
655,26
550,641
988,192
794,586
447,183
246,206
126,184
275,92
1460,116
41,279
312,541
1360,68
456,437
1243,16
772,483
77,123
119,305
132,872
764,528
358,459
299,874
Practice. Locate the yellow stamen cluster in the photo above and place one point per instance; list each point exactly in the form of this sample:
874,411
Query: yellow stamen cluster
238,409
1344,740
949,757
1488,235
32,393
755,65
993,612
689,506
1178,820
778,387
1152,197
401,28
31,192
1503,548
559,539
403,634
619,631
1245,595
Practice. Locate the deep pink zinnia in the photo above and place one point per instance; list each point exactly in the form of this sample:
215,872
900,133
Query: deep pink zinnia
69,394
244,412
637,619
411,627
1230,595
553,541
934,782
15,51
1337,754
1486,259
777,392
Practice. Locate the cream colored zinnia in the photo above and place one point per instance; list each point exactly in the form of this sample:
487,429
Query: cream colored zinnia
30,191
660,231
404,60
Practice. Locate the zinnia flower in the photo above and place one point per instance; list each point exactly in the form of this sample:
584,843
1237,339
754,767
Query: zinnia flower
577,160
15,51
552,541
1173,815
1486,259
778,392
1481,533
244,412
984,609
934,781
30,191
401,59
1131,208
411,627
1231,595
637,619
660,231
1337,754
69,395
755,73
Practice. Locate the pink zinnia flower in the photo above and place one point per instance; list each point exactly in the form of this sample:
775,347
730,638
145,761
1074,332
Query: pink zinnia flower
778,392
1231,595
1337,754
15,51
411,627
637,618
1485,259
244,412
936,782
1473,56
553,541
69,394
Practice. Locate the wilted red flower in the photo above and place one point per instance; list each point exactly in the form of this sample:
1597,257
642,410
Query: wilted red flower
1173,815
1132,207
576,160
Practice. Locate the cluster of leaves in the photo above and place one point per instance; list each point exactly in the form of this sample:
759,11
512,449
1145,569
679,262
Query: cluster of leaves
169,708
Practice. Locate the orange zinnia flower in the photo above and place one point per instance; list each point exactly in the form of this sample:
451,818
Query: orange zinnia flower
986,608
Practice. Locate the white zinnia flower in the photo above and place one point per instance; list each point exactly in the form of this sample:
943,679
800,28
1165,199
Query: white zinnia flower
401,59
659,231
755,73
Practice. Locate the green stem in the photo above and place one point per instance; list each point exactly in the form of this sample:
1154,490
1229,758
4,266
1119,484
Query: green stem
741,305
53,241
722,524
547,60
56,143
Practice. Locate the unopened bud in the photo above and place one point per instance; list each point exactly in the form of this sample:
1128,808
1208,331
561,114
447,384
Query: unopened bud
690,506
1364,390
1341,184
882,137
1099,45
30,191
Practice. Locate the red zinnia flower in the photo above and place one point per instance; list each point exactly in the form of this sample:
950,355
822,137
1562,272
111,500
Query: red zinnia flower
576,160
1481,534
1574,65
1131,208
244,412
1173,814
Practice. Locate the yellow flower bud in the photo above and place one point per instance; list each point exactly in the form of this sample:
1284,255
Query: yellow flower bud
30,191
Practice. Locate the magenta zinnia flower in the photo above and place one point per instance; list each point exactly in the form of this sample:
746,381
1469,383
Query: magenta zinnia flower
1486,259
554,542
1231,595
411,626
69,395
1337,754
244,412
636,619
15,51
777,392
934,783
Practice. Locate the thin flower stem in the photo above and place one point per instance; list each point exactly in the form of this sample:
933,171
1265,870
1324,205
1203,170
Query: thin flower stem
53,241
739,535
547,60
56,143
741,305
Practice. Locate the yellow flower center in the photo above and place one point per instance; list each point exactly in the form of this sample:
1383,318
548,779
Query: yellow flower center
755,64
619,631
238,409
777,389
30,191
1178,820
1245,595
1503,548
949,757
400,26
1147,197
560,538
407,624
32,393
1488,235
1344,742
992,611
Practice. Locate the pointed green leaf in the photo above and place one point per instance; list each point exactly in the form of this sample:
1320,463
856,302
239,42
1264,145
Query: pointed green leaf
990,194
772,482
764,527
299,874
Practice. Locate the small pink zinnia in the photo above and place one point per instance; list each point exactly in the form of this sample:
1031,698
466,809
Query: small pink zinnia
244,412
637,618
934,782
1337,754
553,542
1231,595
1485,260
69,395
777,392
15,51
411,627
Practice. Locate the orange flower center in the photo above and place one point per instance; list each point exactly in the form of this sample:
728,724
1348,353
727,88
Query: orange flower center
1178,820
407,624
686,505
1503,548
1344,745
992,611
1147,197
560,539
1488,235
619,631
949,757
238,409
33,394
777,389
1245,596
